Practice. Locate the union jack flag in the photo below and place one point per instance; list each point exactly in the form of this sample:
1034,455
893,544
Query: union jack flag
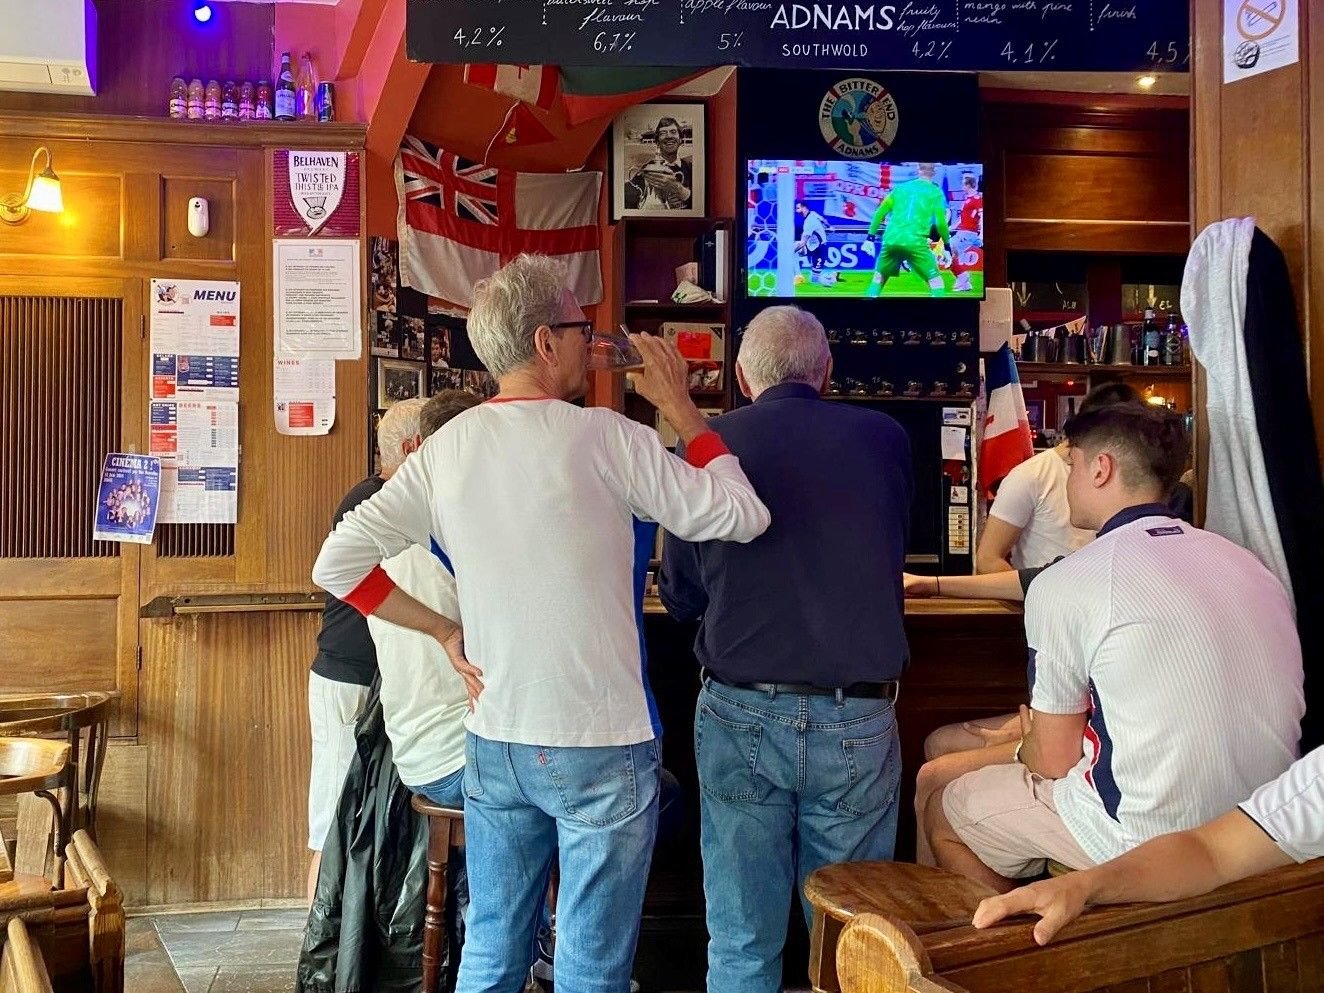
446,181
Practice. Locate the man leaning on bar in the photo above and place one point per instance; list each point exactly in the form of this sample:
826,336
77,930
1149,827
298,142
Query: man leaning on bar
802,642
532,500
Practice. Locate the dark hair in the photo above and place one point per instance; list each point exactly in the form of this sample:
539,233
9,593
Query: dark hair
1107,394
1149,443
668,122
442,407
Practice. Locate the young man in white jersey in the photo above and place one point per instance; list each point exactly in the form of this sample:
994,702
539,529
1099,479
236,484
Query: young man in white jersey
533,500
1166,675
1281,823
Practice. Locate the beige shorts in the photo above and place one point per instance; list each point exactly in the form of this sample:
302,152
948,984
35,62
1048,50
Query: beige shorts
333,709
1005,815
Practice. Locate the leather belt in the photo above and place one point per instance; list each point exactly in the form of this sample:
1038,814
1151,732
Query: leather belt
888,690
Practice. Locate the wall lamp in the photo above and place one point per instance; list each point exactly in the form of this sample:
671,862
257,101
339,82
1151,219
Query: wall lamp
43,193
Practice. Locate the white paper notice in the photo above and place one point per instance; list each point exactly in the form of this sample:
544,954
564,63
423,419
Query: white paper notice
305,395
1258,36
953,443
958,531
198,444
195,339
995,319
318,298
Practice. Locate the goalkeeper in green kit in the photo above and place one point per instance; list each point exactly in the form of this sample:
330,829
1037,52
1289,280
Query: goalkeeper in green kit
912,211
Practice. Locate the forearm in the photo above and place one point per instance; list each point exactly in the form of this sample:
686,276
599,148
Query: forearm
403,610
989,562
1000,585
686,419
1171,867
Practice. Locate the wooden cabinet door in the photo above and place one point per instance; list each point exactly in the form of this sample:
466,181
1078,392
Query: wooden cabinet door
71,390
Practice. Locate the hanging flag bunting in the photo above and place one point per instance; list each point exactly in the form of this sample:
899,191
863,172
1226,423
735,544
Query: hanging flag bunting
528,84
590,92
462,220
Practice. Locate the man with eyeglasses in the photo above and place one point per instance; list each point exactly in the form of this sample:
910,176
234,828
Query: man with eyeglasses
532,500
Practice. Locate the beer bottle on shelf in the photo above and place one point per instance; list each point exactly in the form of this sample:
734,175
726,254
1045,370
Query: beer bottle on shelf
306,97
285,89
1151,340
1172,343
196,98
178,106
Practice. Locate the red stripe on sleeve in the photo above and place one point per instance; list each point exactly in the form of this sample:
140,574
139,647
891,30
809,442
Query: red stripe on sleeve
705,448
369,594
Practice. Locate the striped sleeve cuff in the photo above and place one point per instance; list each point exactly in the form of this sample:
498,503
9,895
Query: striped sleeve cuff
705,448
369,594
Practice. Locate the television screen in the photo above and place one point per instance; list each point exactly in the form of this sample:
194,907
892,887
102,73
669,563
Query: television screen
819,228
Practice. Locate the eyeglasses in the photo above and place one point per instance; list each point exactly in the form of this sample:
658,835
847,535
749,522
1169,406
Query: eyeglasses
585,328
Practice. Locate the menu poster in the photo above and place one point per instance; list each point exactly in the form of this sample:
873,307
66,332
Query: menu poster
198,445
315,194
305,395
318,298
195,339
128,498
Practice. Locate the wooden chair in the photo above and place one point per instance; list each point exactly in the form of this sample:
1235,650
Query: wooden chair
81,719
445,832
79,926
22,969
906,929
37,766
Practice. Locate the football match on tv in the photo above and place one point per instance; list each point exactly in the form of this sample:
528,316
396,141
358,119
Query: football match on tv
820,228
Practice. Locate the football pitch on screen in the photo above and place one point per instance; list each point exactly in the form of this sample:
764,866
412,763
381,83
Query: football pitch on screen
856,284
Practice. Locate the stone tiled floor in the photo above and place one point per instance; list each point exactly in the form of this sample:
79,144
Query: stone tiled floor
251,951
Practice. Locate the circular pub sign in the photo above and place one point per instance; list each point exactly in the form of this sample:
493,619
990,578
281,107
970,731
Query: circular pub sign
858,118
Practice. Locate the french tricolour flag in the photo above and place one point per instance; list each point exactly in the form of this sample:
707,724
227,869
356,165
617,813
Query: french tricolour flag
1007,439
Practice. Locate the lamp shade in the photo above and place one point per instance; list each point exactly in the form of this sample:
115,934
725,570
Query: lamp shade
46,193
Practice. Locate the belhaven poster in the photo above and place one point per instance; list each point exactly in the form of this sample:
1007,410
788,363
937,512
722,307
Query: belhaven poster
316,194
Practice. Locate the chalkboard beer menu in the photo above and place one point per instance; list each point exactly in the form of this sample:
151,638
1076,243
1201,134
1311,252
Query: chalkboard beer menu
970,35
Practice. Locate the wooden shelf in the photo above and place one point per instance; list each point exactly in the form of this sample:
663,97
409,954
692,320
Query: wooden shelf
1034,369
668,309
848,398
171,131
673,227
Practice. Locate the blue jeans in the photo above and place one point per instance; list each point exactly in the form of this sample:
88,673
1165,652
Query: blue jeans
598,807
788,784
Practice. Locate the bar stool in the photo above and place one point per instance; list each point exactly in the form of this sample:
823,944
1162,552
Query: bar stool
445,831
36,765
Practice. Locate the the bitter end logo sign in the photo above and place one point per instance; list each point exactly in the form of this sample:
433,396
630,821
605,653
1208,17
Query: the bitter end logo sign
858,118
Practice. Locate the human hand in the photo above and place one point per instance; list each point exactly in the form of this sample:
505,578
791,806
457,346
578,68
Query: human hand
1057,902
1009,731
918,586
453,645
665,382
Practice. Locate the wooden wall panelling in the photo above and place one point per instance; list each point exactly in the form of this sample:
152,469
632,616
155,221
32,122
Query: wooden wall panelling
225,716
122,828
142,44
68,606
1086,178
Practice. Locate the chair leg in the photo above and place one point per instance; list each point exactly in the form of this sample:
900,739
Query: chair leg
434,919
61,836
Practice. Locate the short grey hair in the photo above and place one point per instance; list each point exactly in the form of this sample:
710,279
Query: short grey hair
509,306
784,345
398,425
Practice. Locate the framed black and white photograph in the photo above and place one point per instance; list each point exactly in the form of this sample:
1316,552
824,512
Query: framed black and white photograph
386,335
658,153
413,335
444,379
398,381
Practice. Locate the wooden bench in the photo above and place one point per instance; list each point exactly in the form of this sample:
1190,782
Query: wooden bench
22,969
79,927
1264,934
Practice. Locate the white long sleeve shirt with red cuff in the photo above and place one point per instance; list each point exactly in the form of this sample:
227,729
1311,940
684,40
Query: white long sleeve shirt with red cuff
531,502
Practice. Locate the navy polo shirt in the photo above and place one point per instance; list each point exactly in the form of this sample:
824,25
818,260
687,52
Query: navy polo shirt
817,598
